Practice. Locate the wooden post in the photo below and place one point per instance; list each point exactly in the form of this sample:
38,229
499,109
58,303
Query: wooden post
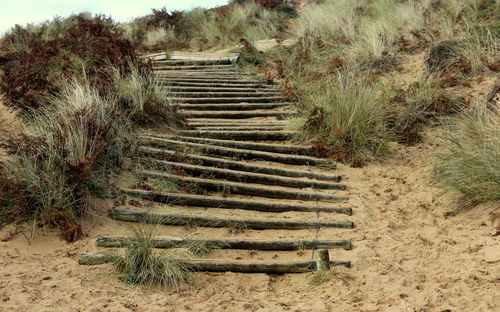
322,260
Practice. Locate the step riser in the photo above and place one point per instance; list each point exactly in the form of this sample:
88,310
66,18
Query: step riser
233,107
236,135
242,95
237,115
266,91
174,219
168,243
239,128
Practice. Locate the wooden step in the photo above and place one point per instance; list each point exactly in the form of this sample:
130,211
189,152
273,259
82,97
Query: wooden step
242,128
228,85
232,107
211,81
205,265
157,65
207,100
242,95
237,90
238,114
229,243
216,222
176,199
239,135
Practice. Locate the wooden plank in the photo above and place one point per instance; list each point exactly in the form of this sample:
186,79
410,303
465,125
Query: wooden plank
270,267
209,221
229,243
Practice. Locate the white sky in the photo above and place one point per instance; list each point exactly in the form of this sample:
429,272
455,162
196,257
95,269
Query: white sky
33,11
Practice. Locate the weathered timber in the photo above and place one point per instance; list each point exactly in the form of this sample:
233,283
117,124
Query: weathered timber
219,94
257,146
238,89
246,177
235,165
207,100
238,114
206,265
208,84
239,135
211,81
241,128
233,107
233,123
230,243
230,203
238,153
322,260
194,62
218,222
245,189
192,66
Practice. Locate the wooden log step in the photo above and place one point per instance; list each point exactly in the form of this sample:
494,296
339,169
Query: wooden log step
206,74
217,222
211,81
238,152
249,85
238,114
157,65
220,100
234,123
177,199
245,176
193,62
266,147
239,135
217,94
205,265
242,128
209,78
243,188
234,165
229,243
233,107
264,90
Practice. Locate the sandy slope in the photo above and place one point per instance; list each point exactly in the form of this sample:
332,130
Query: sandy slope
407,257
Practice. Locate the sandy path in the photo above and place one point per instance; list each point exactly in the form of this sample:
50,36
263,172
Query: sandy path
407,257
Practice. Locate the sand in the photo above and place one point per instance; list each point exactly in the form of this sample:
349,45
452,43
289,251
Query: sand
407,256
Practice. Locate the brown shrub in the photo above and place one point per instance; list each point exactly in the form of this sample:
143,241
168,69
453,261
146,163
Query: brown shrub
88,48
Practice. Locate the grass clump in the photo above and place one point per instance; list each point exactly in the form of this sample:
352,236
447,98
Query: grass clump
142,265
214,28
347,117
468,163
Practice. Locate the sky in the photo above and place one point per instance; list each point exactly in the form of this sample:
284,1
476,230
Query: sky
32,11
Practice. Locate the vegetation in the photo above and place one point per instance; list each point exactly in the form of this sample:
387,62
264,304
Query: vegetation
141,264
469,162
344,70
204,29
79,89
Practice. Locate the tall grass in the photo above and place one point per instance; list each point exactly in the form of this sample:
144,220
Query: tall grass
142,265
469,162
69,137
205,29
348,116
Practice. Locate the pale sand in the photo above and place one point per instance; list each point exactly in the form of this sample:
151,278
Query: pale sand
407,257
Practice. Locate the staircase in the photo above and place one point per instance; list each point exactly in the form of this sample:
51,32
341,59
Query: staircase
233,180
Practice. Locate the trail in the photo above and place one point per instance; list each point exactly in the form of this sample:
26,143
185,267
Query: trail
233,175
